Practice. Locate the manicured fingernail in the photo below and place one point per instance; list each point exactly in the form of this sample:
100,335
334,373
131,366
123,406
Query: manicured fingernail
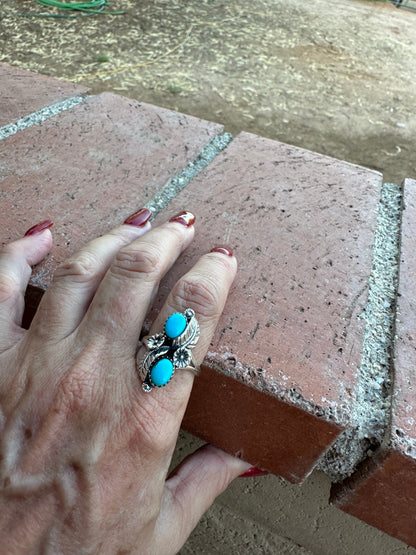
185,218
253,471
223,249
139,218
38,228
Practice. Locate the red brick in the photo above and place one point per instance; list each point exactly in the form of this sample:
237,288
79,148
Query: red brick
385,496
404,397
253,424
24,92
90,167
302,226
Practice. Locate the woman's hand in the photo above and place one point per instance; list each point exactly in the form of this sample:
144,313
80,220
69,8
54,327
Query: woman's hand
84,451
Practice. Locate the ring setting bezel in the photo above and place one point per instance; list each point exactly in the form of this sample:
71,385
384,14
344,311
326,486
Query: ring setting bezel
177,350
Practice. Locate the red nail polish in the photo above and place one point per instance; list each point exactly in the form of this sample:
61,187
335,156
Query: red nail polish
185,218
139,218
38,228
223,249
253,471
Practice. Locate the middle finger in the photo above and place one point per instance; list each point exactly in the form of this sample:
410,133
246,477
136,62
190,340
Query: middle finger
76,280
123,297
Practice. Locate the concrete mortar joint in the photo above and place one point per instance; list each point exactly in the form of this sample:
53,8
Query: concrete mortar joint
371,405
35,118
175,185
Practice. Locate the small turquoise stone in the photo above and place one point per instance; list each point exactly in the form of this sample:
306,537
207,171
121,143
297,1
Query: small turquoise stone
175,325
161,372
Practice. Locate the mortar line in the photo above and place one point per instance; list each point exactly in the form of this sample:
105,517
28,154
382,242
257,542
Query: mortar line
35,118
372,403
380,314
388,430
174,186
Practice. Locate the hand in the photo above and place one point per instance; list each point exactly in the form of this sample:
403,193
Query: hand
84,451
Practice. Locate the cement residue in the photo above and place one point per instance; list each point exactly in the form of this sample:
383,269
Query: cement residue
371,410
38,117
175,185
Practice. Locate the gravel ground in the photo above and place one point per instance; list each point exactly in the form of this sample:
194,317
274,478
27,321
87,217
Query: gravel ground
335,78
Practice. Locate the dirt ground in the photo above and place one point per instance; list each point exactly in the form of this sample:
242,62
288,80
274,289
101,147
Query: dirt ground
336,78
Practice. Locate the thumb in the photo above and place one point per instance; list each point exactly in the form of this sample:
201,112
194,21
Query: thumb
190,490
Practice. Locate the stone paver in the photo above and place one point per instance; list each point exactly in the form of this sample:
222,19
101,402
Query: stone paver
385,495
23,92
90,167
302,226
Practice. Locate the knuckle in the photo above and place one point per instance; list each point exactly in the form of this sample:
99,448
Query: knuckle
81,269
145,261
199,293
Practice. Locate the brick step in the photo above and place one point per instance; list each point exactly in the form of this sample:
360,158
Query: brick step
89,167
23,93
298,373
383,493
281,369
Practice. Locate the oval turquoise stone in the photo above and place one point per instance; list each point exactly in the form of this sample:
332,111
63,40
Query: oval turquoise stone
175,325
161,372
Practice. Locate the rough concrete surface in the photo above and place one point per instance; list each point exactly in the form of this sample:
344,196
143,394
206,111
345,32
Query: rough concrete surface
35,118
336,78
370,416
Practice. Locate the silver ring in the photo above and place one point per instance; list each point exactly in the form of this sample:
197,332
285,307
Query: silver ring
169,350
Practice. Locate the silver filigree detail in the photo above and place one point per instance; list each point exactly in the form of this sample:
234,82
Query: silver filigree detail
177,350
155,341
182,358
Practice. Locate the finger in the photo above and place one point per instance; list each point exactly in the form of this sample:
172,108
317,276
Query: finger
204,289
122,299
16,260
76,280
191,489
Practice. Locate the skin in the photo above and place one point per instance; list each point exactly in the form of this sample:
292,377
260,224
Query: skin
84,452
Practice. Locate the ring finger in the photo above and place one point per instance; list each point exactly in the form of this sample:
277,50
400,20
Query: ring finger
204,289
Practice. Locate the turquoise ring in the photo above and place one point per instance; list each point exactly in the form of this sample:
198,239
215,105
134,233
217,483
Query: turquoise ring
169,350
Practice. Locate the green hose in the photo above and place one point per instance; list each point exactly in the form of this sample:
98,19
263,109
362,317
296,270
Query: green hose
85,8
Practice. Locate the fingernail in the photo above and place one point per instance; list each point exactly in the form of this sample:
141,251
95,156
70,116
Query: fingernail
223,249
253,471
185,218
38,228
139,218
